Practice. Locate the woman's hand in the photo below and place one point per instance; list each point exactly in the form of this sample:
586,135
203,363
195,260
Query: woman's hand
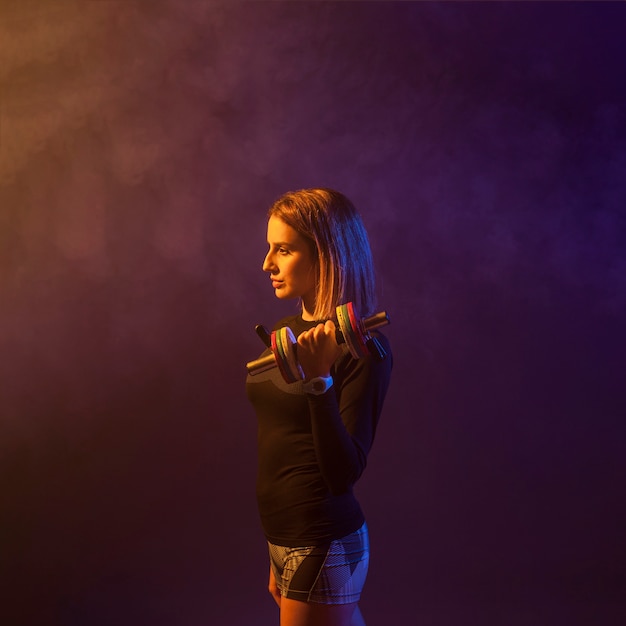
318,350
273,587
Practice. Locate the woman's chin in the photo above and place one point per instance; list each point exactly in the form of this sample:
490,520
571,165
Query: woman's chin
282,294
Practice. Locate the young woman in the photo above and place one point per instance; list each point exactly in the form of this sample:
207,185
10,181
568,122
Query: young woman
314,435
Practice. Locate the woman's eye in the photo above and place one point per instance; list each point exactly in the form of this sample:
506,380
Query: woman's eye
283,251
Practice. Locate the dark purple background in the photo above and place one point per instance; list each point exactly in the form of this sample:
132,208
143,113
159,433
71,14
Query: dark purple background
140,146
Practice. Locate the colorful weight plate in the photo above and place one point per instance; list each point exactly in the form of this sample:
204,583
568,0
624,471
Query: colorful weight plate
289,347
283,347
280,361
355,325
343,317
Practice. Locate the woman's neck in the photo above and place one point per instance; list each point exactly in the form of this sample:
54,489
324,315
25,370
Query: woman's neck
307,311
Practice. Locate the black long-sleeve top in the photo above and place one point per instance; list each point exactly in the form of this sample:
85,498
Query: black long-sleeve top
313,449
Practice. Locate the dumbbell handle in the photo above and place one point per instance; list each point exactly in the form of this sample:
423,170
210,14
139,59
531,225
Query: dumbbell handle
268,362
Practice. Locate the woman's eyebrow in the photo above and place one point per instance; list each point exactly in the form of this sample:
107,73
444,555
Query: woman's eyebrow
279,243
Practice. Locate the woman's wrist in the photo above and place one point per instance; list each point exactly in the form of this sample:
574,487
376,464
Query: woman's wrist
311,375
318,385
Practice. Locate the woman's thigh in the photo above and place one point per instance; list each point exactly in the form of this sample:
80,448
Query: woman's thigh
298,613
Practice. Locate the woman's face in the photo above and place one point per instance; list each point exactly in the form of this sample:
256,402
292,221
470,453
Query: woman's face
290,263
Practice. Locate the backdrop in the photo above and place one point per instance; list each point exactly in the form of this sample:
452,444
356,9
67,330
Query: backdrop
141,144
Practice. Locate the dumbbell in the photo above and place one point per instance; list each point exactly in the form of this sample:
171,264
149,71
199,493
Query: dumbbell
352,331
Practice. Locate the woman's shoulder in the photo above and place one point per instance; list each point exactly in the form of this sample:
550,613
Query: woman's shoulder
295,322
285,321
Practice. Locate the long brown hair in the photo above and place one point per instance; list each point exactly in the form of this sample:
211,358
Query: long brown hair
345,271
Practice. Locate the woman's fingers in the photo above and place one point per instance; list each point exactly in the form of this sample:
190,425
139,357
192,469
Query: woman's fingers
318,349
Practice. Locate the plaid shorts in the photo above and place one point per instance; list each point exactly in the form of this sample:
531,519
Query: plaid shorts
332,573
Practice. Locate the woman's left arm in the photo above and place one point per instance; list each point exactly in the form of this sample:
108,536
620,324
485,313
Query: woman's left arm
344,419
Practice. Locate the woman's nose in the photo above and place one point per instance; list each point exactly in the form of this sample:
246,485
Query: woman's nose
268,264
